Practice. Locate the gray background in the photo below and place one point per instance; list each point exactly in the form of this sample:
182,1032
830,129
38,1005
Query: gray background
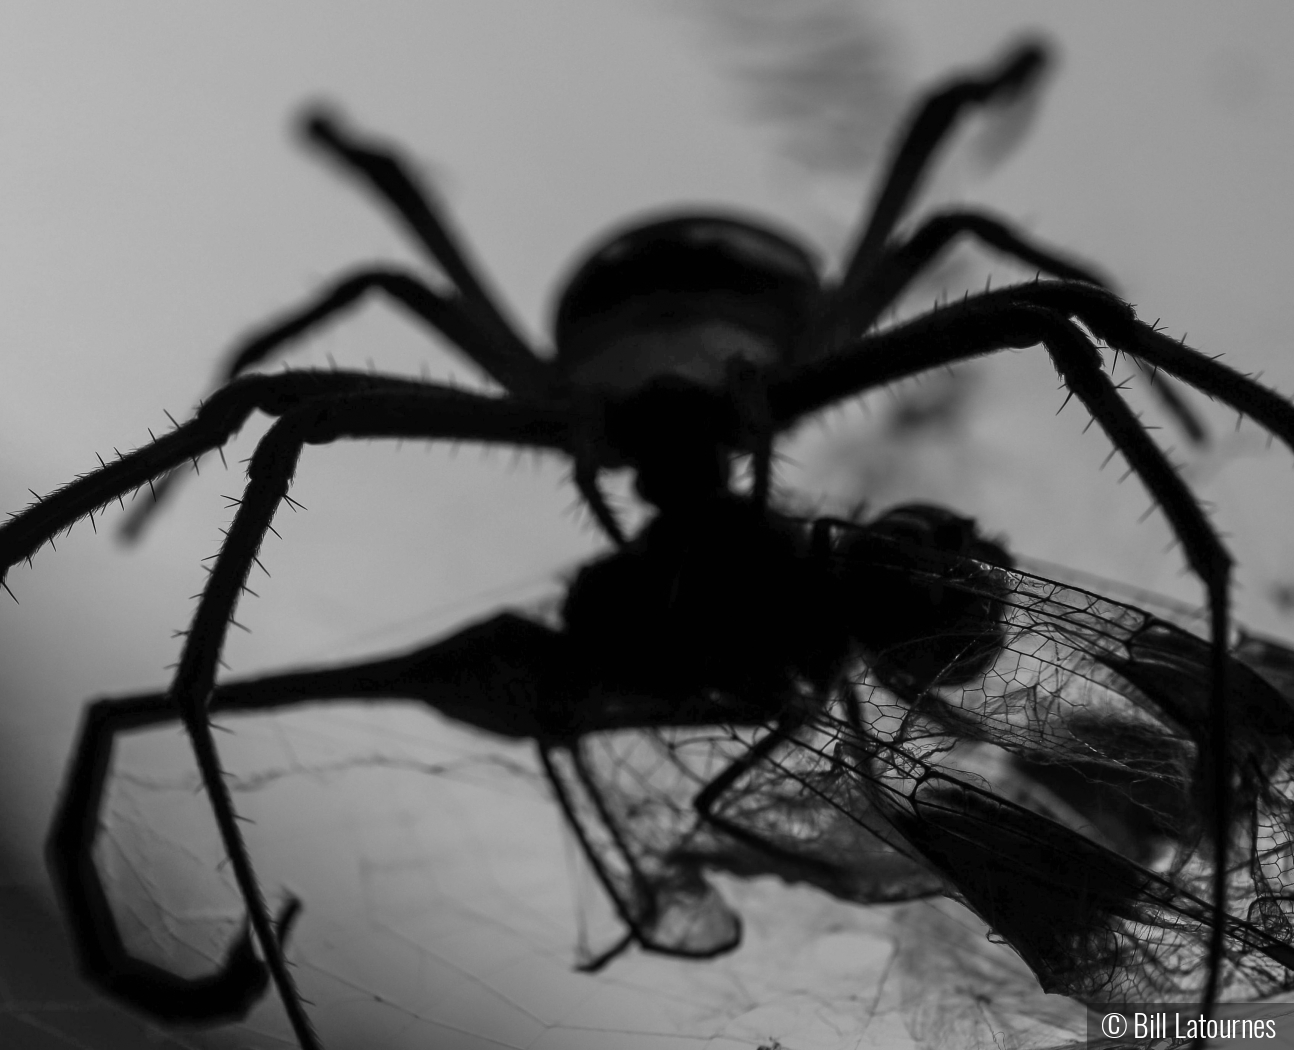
153,206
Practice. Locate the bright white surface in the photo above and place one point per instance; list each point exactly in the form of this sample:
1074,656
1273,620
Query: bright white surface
152,207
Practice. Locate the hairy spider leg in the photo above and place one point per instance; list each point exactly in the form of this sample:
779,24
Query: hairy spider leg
990,323
216,421
430,413
442,312
298,398
878,270
488,675
503,675
467,315
238,983
903,260
907,259
932,122
423,215
1115,323
497,348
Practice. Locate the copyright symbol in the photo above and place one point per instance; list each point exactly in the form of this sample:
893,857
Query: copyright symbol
1114,1026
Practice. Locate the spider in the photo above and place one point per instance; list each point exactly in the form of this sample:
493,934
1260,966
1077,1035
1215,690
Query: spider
681,344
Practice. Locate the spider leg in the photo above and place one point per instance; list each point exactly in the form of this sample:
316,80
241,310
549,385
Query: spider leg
929,127
524,375
981,325
1114,322
990,323
218,419
900,263
241,979
469,317
425,218
429,413
489,675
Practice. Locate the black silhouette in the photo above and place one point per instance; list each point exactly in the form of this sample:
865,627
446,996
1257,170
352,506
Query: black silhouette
682,344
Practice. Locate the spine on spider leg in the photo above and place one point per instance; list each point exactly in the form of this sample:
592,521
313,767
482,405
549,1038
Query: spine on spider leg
25,533
269,473
1116,323
216,421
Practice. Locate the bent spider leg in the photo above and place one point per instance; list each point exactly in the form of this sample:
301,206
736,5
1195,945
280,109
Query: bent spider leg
218,419
489,675
429,413
1173,402
1115,323
902,261
905,260
527,376
985,325
239,982
418,208
928,128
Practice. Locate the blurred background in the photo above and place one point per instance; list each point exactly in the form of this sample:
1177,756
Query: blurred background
154,204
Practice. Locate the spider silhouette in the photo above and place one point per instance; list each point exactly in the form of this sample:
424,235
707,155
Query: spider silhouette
681,344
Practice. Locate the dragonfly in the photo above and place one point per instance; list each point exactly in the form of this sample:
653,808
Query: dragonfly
1027,748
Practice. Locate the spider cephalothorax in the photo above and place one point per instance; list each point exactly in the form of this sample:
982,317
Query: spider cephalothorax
682,344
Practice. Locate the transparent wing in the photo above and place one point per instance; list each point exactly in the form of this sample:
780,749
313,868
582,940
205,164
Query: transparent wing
1046,772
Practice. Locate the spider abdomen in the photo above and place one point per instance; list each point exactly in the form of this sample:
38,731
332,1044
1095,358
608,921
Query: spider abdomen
683,297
